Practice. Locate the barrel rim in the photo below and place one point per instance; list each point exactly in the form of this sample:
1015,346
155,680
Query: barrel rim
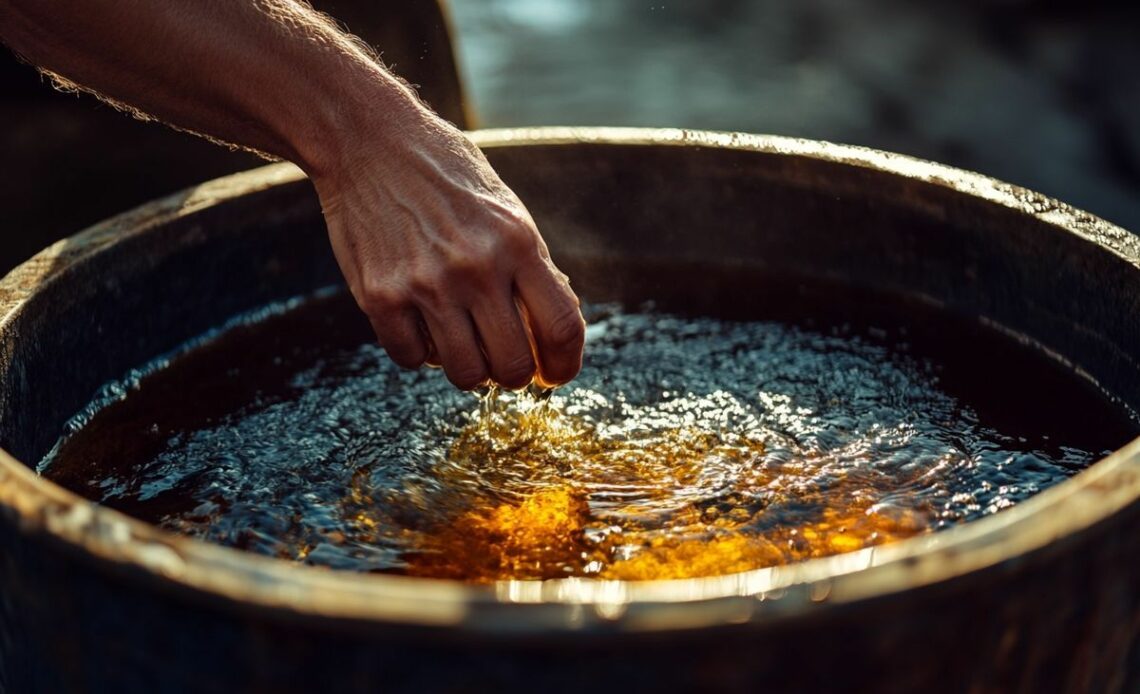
214,572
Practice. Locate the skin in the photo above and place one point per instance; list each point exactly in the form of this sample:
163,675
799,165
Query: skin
441,256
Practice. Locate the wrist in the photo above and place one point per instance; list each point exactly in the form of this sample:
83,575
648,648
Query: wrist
349,114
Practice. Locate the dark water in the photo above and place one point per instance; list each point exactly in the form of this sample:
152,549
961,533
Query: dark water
290,434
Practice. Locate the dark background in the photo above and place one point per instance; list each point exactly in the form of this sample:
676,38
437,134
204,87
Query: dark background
1042,94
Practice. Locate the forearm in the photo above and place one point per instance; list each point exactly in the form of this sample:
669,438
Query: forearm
269,75
436,249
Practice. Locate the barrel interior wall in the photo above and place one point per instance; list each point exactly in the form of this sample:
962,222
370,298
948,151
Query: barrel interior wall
791,220
147,294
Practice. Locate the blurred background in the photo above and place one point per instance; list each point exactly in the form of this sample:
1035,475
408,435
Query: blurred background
1045,94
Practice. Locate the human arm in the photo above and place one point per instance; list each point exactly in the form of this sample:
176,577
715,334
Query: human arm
435,248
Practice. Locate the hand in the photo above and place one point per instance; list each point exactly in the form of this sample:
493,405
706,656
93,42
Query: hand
443,258
446,261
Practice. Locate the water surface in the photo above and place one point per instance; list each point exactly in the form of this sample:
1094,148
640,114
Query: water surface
688,446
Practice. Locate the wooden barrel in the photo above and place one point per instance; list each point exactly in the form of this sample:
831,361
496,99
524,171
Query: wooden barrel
1041,597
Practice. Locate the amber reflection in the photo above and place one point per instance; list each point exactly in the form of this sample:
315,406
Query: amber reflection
573,499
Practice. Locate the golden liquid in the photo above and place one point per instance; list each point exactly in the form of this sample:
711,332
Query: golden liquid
557,526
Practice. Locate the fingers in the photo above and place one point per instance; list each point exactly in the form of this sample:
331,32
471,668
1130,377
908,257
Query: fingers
467,285
453,336
432,359
492,341
400,335
404,335
504,339
555,321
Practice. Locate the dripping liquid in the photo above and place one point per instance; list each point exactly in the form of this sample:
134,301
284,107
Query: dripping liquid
689,446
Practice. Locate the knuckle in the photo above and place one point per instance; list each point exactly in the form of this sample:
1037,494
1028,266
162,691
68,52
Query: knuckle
517,242
407,356
427,284
467,376
516,371
568,330
473,264
378,298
